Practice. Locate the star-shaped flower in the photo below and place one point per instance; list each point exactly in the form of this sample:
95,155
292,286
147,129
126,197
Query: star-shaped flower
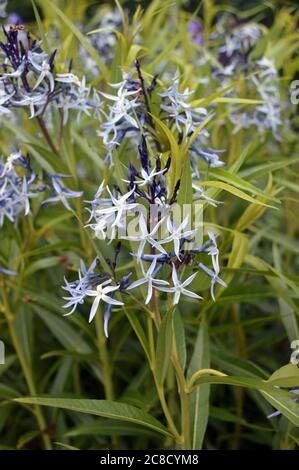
146,237
148,277
179,288
147,178
122,107
119,206
214,252
45,72
60,192
215,279
177,234
33,101
101,294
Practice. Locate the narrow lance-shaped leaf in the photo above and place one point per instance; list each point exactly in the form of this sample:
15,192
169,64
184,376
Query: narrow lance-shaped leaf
180,339
163,349
199,398
104,408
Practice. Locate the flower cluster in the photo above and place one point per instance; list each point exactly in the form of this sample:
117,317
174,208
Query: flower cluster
179,109
26,72
28,80
266,115
96,285
163,244
104,41
59,192
19,184
239,40
234,59
121,118
180,112
16,190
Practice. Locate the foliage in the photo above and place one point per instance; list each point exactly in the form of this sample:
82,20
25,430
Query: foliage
203,102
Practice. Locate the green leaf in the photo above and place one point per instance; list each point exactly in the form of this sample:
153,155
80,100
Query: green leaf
81,38
163,349
231,189
236,257
165,52
7,392
136,325
239,182
176,154
287,313
247,382
24,331
257,171
199,398
238,100
45,158
27,437
203,102
66,446
290,322
41,28
63,331
180,340
105,408
104,427
286,376
88,150
43,263
186,190
232,364
286,405
53,222
9,361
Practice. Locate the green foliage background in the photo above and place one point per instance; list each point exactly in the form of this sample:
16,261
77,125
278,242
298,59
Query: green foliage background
246,334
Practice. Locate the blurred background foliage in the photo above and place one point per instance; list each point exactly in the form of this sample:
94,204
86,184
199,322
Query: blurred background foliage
250,328
23,7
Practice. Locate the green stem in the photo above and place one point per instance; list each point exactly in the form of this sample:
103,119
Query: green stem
156,309
201,372
103,356
184,398
151,338
159,387
239,392
170,422
26,371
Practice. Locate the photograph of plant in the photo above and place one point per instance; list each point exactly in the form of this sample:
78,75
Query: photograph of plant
149,251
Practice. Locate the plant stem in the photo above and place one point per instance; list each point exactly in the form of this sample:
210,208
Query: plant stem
170,422
47,136
201,372
156,309
26,371
185,410
185,413
151,338
239,392
159,387
104,357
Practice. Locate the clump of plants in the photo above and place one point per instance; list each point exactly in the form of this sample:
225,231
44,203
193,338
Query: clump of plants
149,245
